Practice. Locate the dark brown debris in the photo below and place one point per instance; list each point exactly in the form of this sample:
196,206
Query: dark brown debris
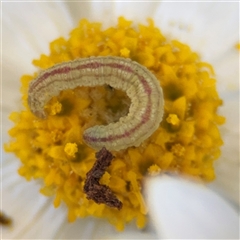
5,220
94,190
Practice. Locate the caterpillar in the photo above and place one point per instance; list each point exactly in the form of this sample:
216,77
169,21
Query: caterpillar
141,86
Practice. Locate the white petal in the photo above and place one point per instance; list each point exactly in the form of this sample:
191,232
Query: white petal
25,205
204,26
102,230
181,209
108,12
27,30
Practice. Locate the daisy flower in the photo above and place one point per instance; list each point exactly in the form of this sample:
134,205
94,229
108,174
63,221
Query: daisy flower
176,42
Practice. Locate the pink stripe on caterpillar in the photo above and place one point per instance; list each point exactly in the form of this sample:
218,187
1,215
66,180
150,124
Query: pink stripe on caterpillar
145,118
142,87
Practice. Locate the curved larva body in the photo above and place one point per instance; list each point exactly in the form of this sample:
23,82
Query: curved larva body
138,82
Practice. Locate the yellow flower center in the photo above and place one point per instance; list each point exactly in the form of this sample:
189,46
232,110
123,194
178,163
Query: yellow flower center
187,141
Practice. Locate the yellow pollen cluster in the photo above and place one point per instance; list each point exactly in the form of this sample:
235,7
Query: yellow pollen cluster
178,150
71,149
173,119
154,170
124,52
187,141
55,108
